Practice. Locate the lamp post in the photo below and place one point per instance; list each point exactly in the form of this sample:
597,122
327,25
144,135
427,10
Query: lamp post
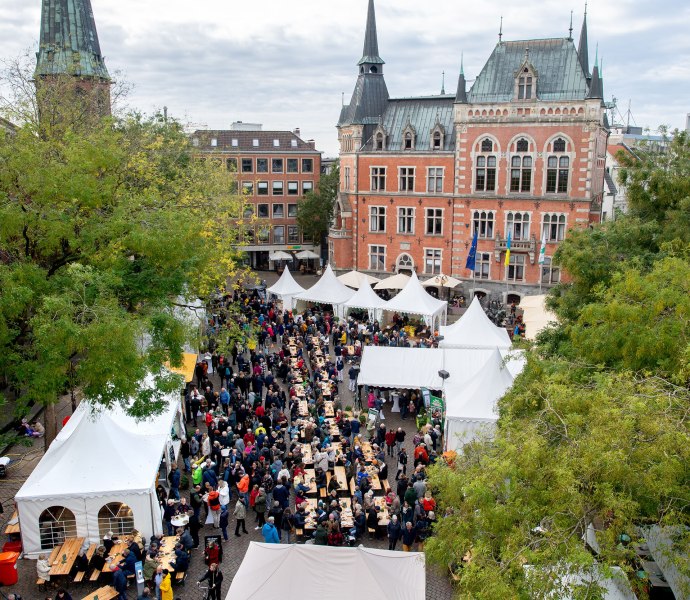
443,374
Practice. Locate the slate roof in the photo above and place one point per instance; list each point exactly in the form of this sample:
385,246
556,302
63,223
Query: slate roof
558,66
69,40
422,113
368,102
245,141
370,55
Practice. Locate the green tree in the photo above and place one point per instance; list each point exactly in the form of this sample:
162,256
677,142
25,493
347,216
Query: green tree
315,210
102,230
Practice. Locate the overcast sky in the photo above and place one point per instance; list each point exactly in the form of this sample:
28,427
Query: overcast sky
285,63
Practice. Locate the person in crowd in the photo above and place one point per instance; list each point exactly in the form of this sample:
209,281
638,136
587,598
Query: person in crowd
269,532
394,532
408,537
119,582
165,587
214,576
43,568
240,514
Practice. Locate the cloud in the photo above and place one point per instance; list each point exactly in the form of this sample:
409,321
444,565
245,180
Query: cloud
286,64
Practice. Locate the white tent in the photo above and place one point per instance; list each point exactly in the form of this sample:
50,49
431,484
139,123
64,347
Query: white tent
474,330
536,316
98,458
394,282
309,572
328,290
471,406
414,368
286,288
415,300
366,298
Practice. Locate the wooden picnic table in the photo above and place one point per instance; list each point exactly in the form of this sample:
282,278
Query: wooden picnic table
384,517
66,556
115,555
13,524
307,455
166,552
328,407
107,592
341,476
374,478
309,475
303,407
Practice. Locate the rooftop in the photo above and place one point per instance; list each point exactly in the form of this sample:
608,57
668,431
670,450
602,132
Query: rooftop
250,141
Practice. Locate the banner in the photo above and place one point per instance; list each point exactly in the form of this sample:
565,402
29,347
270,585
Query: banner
426,395
437,403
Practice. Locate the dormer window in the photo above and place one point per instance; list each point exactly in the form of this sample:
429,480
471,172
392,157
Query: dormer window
409,137
526,80
437,137
379,138
525,86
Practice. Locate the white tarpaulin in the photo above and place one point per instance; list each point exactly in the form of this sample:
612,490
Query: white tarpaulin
354,279
414,368
471,405
536,316
327,290
474,330
286,288
366,298
309,572
415,300
99,458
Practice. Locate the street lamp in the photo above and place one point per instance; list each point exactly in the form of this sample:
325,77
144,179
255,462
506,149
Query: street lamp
443,374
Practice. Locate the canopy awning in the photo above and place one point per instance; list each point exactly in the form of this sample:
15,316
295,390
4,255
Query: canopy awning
365,298
307,255
442,281
354,279
536,316
414,299
186,369
279,255
395,282
286,285
327,290
474,330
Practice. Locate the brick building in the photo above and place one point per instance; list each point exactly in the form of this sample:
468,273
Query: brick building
522,152
274,170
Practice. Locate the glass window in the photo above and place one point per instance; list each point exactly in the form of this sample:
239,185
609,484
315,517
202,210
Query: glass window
405,219
437,140
521,174
483,222
262,188
377,258
262,165
377,218
409,141
485,173
557,171
378,179
346,178
406,182
487,145
516,267
279,234
525,87
482,265
278,211
307,186
434,180
248,211
248,187
550,274
263,234
292,211
231,164
379,141
292,165
278,188
293,234
277,165
517,224
432,261
307,165
554,227
434,221
116,517
247,166
293,188
55,525
262,211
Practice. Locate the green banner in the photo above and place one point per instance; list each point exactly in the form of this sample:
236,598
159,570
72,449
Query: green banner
436,403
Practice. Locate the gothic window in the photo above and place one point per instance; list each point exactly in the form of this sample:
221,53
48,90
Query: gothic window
554,227
487,145
380,141
409,141
517,225
483,224
557,168
521,168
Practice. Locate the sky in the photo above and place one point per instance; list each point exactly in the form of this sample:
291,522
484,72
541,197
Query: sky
286,63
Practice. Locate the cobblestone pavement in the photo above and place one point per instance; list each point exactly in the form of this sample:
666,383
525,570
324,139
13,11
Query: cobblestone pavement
438,586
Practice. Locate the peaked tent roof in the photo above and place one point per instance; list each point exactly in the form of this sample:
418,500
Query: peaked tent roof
414,299
286,285
268,571
476,400
69,41
365,297
327,290
354,278
474,330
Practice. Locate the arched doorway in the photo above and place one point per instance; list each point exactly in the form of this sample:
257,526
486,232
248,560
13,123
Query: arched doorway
481,294
56,524
512,297
404,264
116,517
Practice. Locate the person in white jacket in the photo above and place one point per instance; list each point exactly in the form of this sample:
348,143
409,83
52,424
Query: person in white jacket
43,568
224,493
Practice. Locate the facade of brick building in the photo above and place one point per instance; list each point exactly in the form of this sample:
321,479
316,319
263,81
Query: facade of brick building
274,170
521,152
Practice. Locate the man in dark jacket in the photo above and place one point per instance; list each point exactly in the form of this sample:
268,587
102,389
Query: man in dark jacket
119,582
215,581
181,563
320,535
127,563
394,532
409,535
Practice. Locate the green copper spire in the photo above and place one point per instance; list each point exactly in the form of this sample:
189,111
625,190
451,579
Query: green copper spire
370,55
69,41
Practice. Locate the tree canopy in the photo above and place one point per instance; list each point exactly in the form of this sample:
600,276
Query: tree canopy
102,230
315,210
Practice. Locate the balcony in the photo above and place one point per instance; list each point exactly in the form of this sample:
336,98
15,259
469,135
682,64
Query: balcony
529,246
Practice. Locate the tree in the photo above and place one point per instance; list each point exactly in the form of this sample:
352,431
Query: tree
315,210
102,229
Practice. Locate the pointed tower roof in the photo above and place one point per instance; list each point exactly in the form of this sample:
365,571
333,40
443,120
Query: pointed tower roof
582,47
370,55
370,96
69,41
596,86
461,94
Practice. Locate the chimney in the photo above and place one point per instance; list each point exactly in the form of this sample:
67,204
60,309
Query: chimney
312,144
297,131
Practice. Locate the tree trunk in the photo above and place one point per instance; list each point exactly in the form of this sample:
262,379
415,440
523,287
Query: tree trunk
50,424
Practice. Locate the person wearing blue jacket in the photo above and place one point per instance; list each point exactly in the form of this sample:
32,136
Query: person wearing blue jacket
270,532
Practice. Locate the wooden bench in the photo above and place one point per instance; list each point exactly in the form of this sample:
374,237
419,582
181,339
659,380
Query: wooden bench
180,577
41,583
299,532
79,577
107,592
322,492
386,486
95,574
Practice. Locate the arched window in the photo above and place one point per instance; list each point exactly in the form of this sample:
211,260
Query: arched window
404,263
521,168
554,227
557,168
55,525
380,140
116,517
517,225
483,221
525,85
485,167
437,140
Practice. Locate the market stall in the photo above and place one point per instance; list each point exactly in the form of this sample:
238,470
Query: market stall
413,299
286,288
474,330
327,290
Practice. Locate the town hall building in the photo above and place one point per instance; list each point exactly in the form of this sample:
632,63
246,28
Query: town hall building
520,154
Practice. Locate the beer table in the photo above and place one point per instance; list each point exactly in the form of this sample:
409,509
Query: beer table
107,592
341,476
166,552
309,475
384,517
115,556
307,457
328,407
303,407
66,556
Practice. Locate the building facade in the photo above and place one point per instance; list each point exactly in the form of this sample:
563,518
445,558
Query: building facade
521,154
274,170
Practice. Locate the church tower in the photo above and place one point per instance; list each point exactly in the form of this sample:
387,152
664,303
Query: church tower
70,68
